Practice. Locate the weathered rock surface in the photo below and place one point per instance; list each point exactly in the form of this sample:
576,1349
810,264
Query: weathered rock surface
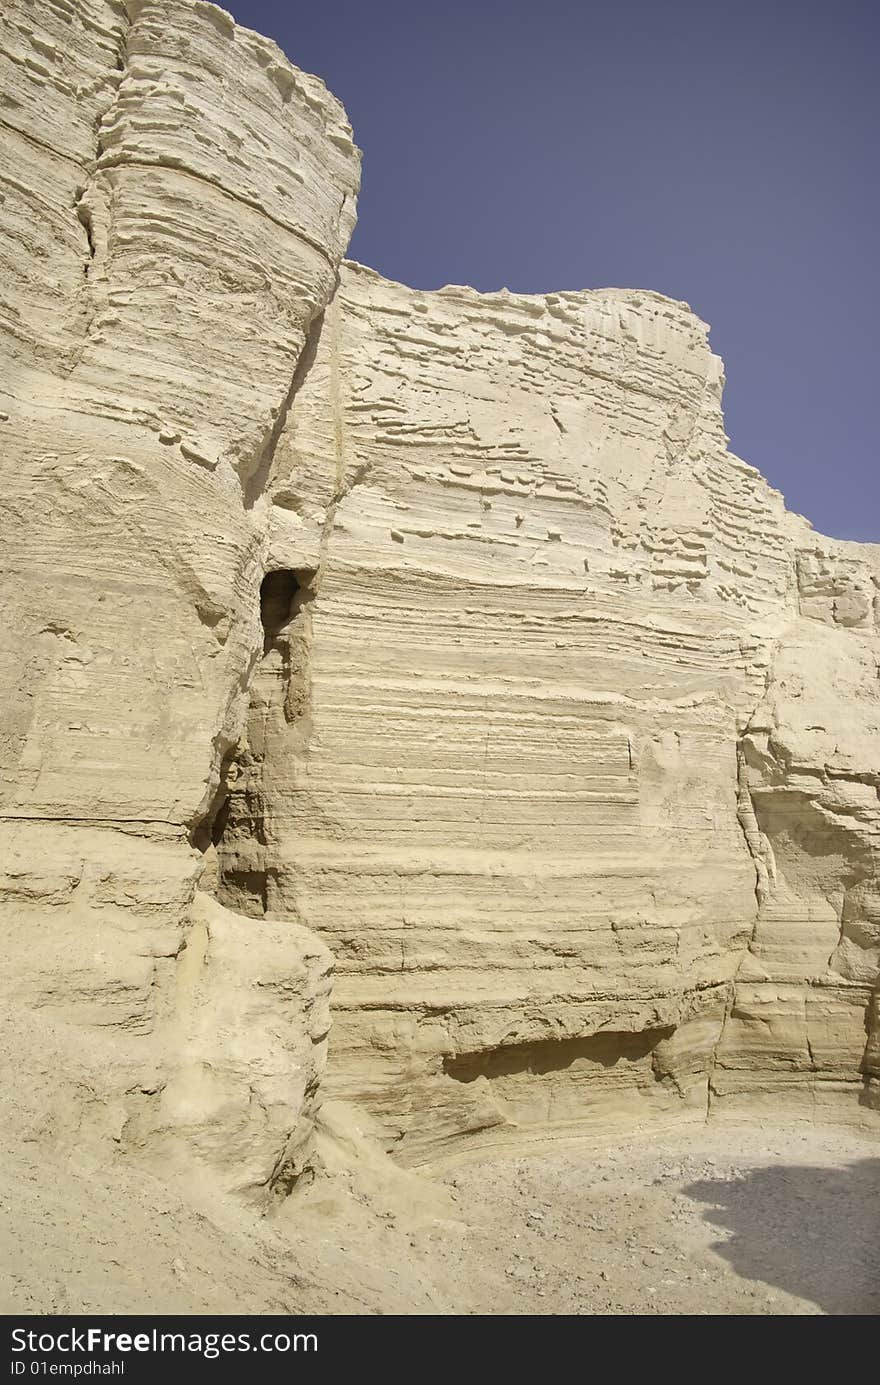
439,630
176,198
570,747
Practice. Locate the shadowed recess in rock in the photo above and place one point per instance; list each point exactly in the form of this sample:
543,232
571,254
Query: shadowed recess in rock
555,1055
278,591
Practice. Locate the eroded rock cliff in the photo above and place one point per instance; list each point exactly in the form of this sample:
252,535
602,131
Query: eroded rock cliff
435,634
176,198
569,748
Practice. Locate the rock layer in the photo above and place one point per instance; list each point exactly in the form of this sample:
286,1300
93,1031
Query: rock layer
176,197
526,754
439,630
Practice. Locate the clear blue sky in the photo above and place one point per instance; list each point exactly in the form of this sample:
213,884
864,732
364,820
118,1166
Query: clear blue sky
723,153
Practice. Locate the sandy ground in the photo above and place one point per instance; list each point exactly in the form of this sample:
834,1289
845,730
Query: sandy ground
710,1220
768,1222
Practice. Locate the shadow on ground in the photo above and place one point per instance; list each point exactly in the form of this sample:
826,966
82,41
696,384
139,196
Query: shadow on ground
814,1232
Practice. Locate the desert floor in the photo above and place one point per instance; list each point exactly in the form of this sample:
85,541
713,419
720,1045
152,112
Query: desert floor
708,1220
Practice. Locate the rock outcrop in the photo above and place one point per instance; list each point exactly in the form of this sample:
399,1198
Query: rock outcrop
569,744
439,633
176,199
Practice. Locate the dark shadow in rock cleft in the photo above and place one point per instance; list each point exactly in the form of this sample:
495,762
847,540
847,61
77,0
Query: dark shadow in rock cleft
606,1048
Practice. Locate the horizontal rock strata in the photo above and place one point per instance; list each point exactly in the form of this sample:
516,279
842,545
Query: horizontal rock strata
435,637
176,197
522,749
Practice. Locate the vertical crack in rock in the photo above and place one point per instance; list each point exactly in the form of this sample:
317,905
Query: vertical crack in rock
84,215
239,826
758,843
88,204
243,883
761,853
227,747
343,485
83,201
255,477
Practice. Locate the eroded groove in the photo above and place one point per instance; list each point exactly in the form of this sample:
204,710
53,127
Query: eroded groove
237,829
255,479
605,1049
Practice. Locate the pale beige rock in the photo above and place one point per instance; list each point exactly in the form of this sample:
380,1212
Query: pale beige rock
248,1036
524,751
559,733
176,197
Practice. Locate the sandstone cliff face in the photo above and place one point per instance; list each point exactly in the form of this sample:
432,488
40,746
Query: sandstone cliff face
176,198
531,753
810,756
439,632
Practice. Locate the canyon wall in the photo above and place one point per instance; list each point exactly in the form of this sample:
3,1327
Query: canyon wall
568,747
176,198
434,637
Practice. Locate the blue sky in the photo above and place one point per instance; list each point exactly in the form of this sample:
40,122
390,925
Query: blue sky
722,153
